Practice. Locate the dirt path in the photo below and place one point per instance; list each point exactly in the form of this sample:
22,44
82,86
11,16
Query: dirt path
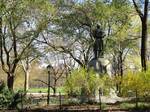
74,108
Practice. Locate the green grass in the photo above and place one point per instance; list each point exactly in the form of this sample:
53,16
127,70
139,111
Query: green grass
126,105
141,105
44,90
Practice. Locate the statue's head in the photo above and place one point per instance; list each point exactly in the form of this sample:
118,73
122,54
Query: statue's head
98,26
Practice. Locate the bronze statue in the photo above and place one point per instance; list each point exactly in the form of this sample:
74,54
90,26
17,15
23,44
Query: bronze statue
98,35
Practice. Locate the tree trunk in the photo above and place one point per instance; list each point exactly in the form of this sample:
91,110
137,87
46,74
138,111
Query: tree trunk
54,87
25,65
143,17
54,91
10,81
144,45
144,37
26,81
121,64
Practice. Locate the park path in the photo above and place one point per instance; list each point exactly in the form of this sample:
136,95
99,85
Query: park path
112,107
77,108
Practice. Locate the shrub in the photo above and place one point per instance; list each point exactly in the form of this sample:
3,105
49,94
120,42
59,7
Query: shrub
82,81
136,82
10,99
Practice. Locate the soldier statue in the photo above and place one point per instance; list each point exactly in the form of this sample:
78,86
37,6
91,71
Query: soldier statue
98,35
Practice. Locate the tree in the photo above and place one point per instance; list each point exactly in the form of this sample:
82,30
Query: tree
58,72
143,16
30,56
118,43
19,27
73,28
75,44
120,37
26,68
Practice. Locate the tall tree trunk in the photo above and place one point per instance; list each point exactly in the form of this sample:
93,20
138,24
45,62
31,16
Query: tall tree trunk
25,65
143,17
144,37
121,64
26,81
120,72
10,81
144,44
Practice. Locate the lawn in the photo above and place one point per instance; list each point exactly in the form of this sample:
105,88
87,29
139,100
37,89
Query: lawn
44,90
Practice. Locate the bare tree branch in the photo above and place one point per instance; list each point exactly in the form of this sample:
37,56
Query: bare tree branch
44,83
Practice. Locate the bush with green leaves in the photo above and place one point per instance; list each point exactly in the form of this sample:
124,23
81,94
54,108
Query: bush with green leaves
83,81
10,99
80,79
138,83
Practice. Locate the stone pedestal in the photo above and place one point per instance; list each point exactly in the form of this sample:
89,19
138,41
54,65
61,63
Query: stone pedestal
100,65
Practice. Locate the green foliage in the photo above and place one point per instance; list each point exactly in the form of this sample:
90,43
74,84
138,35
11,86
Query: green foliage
9,99
136,82
23,21
106,83
132,106
81,80
44,90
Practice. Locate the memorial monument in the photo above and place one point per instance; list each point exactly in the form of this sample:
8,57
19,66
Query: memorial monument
98,46
98,62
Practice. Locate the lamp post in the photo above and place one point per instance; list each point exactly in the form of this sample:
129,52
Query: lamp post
49,68
100,101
